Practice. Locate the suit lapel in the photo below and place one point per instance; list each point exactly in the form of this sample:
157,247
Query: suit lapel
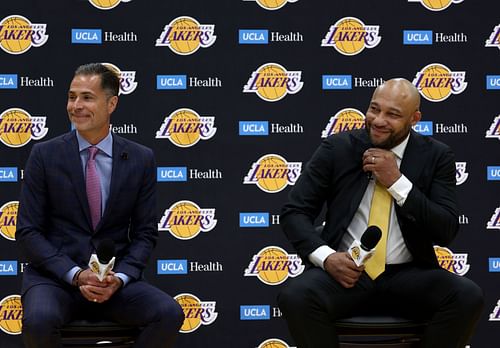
72,156
415,157
117,177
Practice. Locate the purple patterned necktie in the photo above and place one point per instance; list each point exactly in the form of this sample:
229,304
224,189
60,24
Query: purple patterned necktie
93,187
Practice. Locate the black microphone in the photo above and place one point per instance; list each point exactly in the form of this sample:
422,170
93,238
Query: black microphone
103,261
361,251
124,156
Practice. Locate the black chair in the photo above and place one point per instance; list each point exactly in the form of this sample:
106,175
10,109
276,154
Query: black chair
379,331
88,334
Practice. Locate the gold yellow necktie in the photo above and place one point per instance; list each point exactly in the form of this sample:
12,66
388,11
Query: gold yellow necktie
380,210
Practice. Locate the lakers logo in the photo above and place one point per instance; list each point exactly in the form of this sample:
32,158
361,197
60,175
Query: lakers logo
452,262
184,128
272,82
494,39
18,34
106,4
184,35
274,343
494,222
8,219
272,265
185,220
437,5
436,82
494,130
11,314
344,120
272,173
272,4
350,36
127,79
18,127
196,312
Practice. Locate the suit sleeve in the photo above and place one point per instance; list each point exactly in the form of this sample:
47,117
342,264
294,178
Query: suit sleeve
143,231
432,211
32,221
306,200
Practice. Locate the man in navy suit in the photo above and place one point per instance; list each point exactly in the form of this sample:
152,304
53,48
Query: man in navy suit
58,228
418,176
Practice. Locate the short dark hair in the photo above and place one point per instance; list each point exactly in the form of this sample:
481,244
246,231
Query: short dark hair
110,79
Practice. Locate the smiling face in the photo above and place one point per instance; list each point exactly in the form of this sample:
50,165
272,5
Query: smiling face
90,107
393,110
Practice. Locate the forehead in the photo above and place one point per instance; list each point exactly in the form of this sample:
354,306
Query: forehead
86,84
395,97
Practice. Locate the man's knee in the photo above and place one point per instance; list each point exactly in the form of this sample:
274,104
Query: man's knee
292,297
469,298
37,326
170,314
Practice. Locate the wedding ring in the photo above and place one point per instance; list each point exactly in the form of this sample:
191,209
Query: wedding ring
95,300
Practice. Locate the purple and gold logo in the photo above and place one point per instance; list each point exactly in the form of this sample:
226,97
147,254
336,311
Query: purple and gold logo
185,35
18,127
272,4
18,34
344,120
8,219
436,82
196,312
350,36
452,262
272,265
494,130
437,5
185,220
185,128
494,39
11,315
272,173
106,4
272,82
127,79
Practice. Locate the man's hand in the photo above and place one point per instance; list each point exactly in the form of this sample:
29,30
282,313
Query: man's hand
342,268
95,290
382,164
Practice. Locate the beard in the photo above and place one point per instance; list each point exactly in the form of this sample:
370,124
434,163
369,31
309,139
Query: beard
393,139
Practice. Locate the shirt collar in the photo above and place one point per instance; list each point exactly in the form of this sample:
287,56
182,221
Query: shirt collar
399,150
105,145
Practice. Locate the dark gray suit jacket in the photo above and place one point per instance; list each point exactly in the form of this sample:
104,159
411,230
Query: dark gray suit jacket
334,176
54,228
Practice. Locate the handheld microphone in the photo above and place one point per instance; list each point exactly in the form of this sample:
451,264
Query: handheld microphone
103,261
361,251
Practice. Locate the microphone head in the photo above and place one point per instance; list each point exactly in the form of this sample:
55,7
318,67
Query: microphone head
106,250
370,238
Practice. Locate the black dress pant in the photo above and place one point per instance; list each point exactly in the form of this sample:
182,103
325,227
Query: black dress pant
311,303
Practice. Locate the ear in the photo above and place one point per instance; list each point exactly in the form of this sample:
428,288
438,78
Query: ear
417,116
112,103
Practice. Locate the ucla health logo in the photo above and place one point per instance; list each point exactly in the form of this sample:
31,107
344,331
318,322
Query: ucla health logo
345,119
272,173
494,39
8,268
452,262
184,35
11,315
272,82
185,128
436,82
417,37
18,34
274,343
494,130
350,36
127,79
18,127
8,174
272,4
273,265
493,173
437,5
494,222
460,173
185,220
196,312
106,4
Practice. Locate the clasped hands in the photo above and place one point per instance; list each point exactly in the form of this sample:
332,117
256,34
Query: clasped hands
95,290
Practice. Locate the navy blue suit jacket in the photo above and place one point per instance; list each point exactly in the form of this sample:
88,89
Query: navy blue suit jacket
334,176
54,228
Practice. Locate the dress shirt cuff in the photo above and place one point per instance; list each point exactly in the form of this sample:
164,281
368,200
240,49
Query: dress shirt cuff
318,256
400,190
125,278
68,277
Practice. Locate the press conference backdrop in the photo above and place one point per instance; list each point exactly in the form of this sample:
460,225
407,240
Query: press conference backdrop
234,96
